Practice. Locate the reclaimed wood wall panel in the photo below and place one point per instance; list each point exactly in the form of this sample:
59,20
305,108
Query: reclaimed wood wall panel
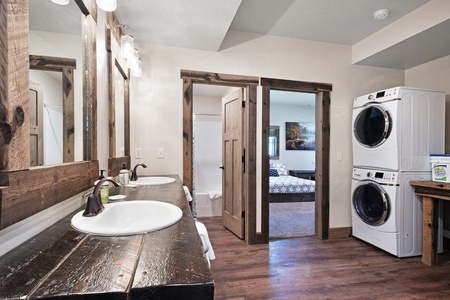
322,211
4,105
69,116
250,163
115,164
188,176
31,191
89,89
14,119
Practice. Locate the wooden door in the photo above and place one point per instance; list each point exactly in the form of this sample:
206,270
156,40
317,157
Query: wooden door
36,125
233,161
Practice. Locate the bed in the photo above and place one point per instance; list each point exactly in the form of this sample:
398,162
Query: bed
285,188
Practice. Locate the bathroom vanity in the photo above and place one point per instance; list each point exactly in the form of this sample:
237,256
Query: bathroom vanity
63,263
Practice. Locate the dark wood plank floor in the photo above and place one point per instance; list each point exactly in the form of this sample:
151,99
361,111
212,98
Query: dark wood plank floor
308,268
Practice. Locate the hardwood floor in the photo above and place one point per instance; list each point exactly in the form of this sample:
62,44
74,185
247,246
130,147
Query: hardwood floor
308,268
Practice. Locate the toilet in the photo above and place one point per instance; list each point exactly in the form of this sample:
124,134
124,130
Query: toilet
208,204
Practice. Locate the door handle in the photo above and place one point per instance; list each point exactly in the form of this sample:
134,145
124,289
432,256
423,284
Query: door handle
222,167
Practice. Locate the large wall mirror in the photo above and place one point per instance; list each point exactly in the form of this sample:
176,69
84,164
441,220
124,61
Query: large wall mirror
26,190
119,94
56,57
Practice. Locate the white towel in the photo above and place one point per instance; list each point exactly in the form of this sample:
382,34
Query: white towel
207,247
187,193
213,195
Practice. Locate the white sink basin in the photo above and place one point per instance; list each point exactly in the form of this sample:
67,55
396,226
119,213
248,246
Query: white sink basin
128,218
153,180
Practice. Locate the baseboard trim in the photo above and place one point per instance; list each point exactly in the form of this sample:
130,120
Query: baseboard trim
339,233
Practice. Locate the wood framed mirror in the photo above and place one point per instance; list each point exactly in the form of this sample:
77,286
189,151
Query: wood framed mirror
119,100
274,142
25,191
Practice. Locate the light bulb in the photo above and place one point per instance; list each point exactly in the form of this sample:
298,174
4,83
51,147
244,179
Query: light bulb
133,60
107,5
60,2
126,46
136,71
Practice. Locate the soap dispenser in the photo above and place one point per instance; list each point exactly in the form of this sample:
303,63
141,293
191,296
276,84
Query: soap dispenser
104,190
123,175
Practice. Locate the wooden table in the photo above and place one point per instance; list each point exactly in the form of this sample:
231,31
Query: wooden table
431,192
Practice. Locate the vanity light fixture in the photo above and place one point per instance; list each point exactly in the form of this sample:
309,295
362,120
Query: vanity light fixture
381,14
60,2
107,5
126,43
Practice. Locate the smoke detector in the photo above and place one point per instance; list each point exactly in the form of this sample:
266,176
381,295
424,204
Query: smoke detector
381,14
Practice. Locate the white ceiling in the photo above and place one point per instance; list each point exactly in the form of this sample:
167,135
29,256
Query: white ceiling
203,24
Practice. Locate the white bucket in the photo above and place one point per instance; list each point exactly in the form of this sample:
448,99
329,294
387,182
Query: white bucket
440,168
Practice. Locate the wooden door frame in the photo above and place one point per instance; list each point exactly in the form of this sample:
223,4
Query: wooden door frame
250,83
322,91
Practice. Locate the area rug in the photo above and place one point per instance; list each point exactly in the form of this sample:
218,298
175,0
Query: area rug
292,219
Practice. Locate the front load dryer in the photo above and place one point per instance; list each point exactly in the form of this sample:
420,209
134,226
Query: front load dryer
398,128
386,212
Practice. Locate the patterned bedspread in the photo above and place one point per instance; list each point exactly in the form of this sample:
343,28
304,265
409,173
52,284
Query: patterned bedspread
291,184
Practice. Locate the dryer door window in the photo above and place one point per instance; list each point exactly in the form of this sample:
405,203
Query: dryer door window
371,203
372,126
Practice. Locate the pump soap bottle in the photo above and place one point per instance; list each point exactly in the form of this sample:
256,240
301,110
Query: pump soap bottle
123,175
104,190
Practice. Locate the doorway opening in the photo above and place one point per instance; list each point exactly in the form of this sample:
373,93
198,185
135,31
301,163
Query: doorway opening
246,216
292,169
207,149
321,93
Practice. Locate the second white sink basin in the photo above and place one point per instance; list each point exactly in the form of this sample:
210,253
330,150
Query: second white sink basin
128,218
155,180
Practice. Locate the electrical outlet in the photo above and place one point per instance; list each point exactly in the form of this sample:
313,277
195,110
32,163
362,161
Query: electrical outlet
138,153
161,153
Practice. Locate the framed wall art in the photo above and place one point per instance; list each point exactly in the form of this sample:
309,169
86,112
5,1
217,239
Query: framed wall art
300,136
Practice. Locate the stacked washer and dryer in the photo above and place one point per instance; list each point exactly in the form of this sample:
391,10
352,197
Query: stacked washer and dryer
394,133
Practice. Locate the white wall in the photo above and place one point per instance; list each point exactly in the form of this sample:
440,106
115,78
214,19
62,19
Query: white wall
435,75
207,144
156,97
279,115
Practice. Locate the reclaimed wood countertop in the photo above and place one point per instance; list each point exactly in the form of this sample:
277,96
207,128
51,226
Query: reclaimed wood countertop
63,263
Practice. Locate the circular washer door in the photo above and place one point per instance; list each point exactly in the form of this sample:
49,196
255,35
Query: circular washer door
372,126
371,203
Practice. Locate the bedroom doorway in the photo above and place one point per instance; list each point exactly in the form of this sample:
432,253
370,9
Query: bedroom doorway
322,93
292,170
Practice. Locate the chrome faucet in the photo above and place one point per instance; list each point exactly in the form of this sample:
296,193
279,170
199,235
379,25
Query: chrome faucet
94,204
134,175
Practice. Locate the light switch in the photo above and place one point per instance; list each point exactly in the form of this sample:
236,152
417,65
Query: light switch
339,155
161,153
138,153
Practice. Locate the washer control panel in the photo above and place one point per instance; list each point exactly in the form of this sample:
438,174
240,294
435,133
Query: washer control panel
377,97
379,176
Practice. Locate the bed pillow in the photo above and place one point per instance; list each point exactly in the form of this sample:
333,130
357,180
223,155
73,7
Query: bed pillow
273,172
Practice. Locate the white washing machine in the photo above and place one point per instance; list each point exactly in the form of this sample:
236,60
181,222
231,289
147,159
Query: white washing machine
398,128
386,212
